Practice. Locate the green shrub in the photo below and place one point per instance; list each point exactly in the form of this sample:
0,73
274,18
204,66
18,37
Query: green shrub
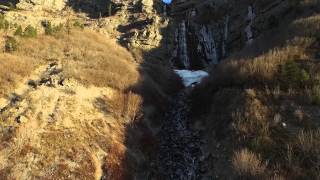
51,29
293,76
11,44
30,32
78,24
19,31
4,24
315,97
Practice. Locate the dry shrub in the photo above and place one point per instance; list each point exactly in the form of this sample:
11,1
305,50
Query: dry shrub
134,105
276,177
126,105
248,164
252,119
309,142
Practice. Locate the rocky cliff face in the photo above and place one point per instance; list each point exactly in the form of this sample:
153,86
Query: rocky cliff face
136,23
36,5
214,29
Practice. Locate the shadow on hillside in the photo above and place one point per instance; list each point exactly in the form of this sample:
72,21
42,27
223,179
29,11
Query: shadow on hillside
95,8
157,84
9,2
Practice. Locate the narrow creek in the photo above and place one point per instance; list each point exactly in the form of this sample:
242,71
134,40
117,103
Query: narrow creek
179,145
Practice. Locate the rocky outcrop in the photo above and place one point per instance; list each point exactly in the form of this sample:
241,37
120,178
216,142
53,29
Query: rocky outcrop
140,29
36,5
135,23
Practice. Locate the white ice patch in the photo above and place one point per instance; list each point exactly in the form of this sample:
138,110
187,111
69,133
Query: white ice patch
191,77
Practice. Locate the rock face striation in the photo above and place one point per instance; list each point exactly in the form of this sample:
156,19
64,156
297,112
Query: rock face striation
214,29
136,24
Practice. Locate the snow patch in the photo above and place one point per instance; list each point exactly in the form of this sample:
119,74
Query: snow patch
191,77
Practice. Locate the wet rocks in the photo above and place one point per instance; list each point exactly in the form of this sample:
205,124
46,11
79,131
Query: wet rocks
179,151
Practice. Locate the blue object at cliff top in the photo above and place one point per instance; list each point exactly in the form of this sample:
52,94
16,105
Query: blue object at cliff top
167,1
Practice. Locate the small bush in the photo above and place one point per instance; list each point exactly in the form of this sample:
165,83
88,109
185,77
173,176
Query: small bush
248,164
78,24
4,24
11,44
30,32
126,105
51,29
315,95
19,31
252,120
293,76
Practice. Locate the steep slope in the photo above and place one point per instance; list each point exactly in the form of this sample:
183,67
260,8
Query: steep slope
258,110
74,103
56,123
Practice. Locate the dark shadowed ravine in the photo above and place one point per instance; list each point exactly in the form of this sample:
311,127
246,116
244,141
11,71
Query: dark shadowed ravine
179,145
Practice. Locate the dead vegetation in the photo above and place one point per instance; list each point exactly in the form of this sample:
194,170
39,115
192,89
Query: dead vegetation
248,164
14,69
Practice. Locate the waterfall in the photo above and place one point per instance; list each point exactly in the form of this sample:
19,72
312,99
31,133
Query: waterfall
165,10
225,36
207,44
182,45
250,18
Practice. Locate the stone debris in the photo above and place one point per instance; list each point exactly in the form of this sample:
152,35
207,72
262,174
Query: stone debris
179,152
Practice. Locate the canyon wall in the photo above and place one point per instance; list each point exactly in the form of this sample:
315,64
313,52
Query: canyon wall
214,29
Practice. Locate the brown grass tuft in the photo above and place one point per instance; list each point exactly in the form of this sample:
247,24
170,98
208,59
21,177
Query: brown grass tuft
125,105
248,164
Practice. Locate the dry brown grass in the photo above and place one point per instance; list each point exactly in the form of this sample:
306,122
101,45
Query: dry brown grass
248,164
14,70
126,105
115,164
262,69
309,142
260,62
252,119
94,61
89,57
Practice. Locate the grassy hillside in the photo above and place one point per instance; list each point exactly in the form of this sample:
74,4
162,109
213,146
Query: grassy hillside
75,104
262,104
